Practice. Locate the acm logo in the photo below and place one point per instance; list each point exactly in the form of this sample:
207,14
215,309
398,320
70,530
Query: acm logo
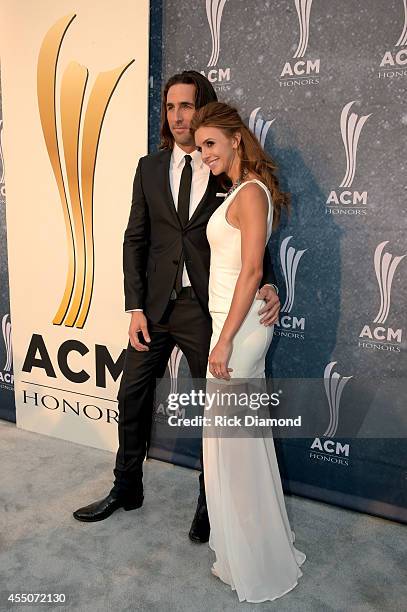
163,412
394,63
302,71
258,126
290,325
219,77
381,336
327,450
351,125
77,144
6,374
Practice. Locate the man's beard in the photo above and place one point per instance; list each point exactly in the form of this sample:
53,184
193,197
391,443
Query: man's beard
183,139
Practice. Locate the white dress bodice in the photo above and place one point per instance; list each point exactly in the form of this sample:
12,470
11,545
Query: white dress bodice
226,259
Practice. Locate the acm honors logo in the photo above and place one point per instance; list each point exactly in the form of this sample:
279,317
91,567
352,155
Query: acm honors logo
75,146
345,200
290,324
394,62
326,449
259,126
301,70
378,335
6,373
220,77
162,412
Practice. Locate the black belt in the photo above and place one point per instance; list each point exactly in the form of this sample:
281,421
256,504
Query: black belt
186,292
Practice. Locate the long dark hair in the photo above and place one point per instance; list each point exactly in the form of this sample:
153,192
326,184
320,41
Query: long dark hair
251,153
204,93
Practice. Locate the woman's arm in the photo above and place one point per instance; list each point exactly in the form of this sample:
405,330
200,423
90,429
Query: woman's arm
250,210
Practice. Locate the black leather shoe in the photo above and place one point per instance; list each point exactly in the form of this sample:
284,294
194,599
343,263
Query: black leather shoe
200,527
100,510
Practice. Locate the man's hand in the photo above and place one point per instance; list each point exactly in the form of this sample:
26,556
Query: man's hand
272,306
138,324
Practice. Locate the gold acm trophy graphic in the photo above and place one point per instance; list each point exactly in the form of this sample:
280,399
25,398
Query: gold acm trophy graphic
80,133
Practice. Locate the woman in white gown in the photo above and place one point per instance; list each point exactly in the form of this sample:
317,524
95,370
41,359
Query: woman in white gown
250,531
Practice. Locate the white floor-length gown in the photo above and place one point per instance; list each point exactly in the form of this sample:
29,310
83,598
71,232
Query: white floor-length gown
250,532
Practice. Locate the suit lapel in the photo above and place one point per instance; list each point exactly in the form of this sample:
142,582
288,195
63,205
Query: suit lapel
208,196
163,177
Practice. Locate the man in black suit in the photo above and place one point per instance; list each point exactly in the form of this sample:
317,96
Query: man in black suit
166,260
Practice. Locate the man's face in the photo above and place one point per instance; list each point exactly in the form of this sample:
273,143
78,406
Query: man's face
180,110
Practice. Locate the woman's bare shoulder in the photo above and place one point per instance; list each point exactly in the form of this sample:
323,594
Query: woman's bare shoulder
251,192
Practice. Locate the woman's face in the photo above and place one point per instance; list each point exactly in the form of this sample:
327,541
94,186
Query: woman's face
219,151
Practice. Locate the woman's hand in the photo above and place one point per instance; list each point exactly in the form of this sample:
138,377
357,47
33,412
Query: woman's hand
219,359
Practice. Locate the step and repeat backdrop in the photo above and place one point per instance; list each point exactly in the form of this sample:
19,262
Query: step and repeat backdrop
74,78
323,85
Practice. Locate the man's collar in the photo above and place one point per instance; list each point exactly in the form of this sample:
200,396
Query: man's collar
178,156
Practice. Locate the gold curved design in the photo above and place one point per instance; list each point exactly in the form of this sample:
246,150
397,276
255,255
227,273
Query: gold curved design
46,85
72,93
78,209
102,91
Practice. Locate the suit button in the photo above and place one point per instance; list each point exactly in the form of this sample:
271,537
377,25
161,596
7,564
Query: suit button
175,262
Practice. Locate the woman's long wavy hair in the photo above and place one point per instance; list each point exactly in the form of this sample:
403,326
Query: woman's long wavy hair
251,153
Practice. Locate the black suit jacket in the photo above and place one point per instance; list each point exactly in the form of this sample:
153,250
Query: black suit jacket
154,240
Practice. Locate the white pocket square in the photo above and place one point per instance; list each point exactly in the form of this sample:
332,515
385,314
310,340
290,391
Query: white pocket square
221,195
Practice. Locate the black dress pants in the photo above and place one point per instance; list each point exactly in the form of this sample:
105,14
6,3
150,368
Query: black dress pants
185,324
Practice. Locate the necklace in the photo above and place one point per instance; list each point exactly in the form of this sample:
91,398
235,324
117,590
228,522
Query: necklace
239,181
